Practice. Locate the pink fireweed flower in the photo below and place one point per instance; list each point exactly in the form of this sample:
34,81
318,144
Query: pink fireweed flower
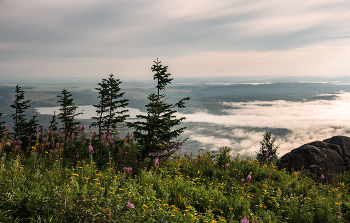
103,136
242,180
267,154
156,163
244,220
270,175
127,136
249,177
91,149
196,157
127,169
322,177
130,205
227,166
199,150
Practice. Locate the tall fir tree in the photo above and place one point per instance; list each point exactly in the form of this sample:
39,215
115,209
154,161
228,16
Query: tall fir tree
68,112
110,110
156,134
19,120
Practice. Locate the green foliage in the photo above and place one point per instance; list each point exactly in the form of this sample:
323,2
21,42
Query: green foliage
156,134
44,186
267,145
68,114
110,117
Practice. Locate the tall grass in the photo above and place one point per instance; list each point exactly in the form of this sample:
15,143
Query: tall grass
50,182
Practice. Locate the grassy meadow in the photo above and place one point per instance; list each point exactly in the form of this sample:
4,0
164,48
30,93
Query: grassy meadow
78,178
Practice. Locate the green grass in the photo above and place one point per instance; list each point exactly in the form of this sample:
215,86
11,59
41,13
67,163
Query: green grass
40,184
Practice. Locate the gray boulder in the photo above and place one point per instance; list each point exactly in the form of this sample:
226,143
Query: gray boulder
328,157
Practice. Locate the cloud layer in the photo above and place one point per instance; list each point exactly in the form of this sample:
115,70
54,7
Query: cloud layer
243,128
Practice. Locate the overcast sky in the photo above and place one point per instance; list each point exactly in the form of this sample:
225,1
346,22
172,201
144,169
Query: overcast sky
195,38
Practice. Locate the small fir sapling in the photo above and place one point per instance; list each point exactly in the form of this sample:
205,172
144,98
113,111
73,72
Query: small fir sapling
268,150
68,112
110,117
156,134
53,122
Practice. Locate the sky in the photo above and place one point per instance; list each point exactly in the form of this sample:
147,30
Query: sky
195,38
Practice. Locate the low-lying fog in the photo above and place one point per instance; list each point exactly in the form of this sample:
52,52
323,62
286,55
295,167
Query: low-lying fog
242,129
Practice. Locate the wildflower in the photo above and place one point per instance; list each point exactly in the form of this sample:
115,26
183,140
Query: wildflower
227,166
145,206
127,169
322,177
130,205
77,156
103,136
244,220
249,177
270,174
91,149
199,150
267,154
55,150
106,144
156,163
215,162
127,136
242,180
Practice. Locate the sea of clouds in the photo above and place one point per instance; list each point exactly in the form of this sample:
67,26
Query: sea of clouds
305,121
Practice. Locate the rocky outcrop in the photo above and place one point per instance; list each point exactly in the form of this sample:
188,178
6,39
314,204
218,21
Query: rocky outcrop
328,157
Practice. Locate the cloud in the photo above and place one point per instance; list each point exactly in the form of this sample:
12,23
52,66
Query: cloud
244,127
306,121
200,38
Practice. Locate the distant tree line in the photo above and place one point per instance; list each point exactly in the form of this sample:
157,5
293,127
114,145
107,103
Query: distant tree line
154,133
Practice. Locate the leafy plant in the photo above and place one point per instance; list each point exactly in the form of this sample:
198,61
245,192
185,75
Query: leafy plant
156,134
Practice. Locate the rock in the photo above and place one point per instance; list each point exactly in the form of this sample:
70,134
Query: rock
328,157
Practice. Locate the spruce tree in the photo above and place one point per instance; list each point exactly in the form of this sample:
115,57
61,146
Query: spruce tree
156,134
268,150
20,105
110,109
67,115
